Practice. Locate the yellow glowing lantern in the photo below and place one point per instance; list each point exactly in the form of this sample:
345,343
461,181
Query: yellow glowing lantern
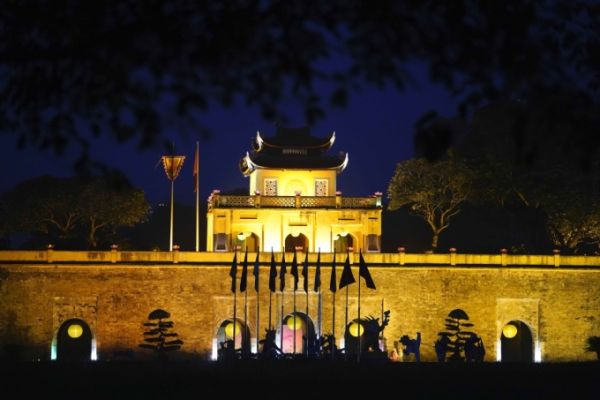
74,331
229,329
509,331
356,329
290,322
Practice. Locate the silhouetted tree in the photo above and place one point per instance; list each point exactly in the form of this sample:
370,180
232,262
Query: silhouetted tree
433,191
158,337
521,158
128,68
105,206
43,206
61,208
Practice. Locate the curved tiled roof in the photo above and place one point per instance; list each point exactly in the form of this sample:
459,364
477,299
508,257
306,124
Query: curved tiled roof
298,138
292,148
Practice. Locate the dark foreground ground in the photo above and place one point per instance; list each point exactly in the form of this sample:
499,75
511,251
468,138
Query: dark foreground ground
300,380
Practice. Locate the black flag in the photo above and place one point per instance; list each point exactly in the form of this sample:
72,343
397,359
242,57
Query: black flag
364,272
244,278
272,273
255,272
333,280
305,271
294,271
282,273
347,277
318,273
233,273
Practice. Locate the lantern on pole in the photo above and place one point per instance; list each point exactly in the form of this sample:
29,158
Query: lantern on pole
172,165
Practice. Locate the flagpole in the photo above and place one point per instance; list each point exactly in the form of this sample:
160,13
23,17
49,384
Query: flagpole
319,312
234,309
346,325
333,285
171,223
294,314
306,341
257,322
319,297
270,305
294,296
282,287
272,286
256,286
360,336
333,327
383,327
196,167
281,323
245,318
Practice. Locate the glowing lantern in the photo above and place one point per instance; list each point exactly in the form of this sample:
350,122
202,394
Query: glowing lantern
356,329
509,331
229,329
290,322
74,331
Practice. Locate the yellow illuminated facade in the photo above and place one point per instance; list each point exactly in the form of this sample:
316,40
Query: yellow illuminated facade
293,201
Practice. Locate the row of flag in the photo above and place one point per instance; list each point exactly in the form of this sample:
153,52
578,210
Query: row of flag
346,279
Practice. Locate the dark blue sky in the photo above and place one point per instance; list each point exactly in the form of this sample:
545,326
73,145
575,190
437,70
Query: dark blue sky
376,129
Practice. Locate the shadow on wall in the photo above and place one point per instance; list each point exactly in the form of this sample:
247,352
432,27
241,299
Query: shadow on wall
158,336
456,344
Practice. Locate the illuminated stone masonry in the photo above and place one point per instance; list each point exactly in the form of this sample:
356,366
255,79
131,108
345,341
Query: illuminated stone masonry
554,300
293,202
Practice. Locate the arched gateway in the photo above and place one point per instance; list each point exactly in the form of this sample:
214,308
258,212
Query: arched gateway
74,341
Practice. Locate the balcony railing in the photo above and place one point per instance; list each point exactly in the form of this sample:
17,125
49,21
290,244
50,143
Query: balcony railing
216,200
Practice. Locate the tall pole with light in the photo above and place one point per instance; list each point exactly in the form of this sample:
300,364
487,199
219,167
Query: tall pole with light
172,165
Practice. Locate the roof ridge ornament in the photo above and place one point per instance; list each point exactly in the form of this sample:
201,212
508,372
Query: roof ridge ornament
258,142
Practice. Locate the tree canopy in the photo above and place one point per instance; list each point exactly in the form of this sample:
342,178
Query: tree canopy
434,191
132,69
62,209
514,165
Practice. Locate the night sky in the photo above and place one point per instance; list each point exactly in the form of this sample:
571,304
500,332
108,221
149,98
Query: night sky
376,129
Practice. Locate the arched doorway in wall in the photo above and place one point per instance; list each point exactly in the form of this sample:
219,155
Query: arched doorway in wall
353,337
305,334
342,243
516,342
228,335
74,341
293,242
247,240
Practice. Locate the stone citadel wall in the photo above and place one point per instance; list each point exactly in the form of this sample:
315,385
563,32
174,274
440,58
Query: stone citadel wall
557,297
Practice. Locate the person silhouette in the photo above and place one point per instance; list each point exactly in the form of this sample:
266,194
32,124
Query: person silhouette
441,347
328,347
270,350
226,351
411,346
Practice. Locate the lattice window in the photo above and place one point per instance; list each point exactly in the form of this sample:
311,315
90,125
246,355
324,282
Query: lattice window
321,187
270,187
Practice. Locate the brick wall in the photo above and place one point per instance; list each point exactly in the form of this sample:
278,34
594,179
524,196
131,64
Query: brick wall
560,305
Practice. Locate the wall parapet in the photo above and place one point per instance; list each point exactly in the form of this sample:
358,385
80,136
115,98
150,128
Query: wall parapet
401,258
